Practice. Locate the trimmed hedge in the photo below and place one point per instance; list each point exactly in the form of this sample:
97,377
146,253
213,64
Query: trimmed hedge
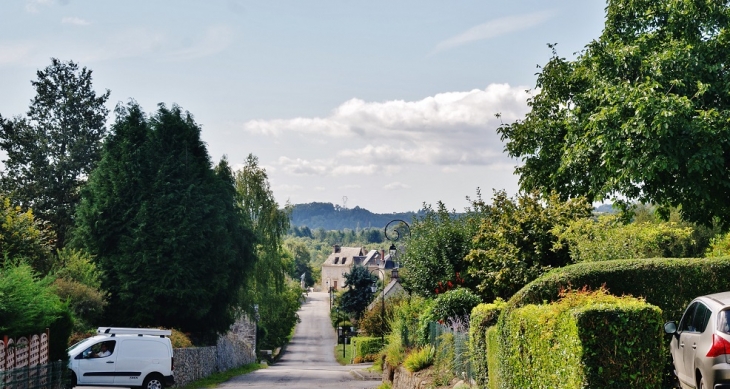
493,355
365,346
483,316
585,340
669,284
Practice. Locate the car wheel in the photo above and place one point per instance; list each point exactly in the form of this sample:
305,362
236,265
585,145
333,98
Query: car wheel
153,381
702,384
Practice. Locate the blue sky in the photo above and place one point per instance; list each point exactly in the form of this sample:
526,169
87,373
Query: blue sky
388,103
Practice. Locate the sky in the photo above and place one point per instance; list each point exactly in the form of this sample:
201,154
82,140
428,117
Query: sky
385,105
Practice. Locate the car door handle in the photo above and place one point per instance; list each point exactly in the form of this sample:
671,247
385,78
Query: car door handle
109,361
681,344
694,346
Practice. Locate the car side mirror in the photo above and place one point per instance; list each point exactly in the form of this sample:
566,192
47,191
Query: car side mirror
670,327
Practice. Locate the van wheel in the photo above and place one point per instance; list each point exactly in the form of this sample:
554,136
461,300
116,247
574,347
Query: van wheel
153,381
71,383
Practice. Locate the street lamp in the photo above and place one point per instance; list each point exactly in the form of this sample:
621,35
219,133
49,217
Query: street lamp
401,228
374,288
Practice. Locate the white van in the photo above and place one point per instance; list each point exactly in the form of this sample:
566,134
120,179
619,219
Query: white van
131,357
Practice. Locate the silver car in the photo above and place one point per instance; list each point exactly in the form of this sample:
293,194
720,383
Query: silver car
701,343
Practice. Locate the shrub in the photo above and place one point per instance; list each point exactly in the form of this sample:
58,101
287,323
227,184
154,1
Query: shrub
179,339
608,238
367,347
410,322
419,359
567,343
453,304
27,303
371,321
719,246
87,303
483,317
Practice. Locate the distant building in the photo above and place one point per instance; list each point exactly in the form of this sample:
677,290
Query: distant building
343,259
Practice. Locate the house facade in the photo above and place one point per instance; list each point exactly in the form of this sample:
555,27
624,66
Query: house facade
342,259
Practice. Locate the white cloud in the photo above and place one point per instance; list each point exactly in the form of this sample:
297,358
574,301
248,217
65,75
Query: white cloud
33,6
396,186
368,138
494,28
74,21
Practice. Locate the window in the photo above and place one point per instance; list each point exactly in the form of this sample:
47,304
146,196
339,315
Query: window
344,260
687,322
723,321
702,317
695,319
337,260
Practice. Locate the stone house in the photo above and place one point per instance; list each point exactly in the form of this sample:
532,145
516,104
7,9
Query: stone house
342,259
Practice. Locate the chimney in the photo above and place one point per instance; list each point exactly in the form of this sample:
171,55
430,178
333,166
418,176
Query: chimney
337,248
382,257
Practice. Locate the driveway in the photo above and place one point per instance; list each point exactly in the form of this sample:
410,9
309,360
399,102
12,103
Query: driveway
308,361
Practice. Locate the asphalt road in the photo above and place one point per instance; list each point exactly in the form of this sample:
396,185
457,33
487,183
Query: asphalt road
308,361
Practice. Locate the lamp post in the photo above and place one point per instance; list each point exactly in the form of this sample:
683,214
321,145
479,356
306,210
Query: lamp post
374,288
397,231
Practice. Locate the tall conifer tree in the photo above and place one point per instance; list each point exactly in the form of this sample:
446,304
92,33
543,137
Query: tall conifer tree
164,226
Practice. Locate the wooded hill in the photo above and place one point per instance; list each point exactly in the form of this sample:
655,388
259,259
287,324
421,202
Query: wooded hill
334,217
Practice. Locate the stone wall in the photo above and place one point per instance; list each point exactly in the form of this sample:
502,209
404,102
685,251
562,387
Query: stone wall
234,349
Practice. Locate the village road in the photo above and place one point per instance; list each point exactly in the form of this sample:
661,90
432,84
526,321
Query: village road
308,361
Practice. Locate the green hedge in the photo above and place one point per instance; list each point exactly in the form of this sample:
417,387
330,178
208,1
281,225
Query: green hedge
483,316
669,284
493,355
585,340
365,346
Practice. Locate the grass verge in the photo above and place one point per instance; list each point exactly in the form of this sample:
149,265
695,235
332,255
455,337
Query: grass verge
223,376
348,354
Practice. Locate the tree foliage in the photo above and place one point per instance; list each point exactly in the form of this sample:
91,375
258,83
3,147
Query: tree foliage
302,262
164,226
23,237
608,238
50,153
433,260
268,287
641,114
27,302
358,295
516,243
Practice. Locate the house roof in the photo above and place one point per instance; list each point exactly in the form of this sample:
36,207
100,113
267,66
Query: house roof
346,256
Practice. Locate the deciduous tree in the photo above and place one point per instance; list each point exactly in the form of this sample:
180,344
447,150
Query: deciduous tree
516,243
643,113
52,150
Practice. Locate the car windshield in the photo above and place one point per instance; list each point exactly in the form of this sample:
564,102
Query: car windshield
723,321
